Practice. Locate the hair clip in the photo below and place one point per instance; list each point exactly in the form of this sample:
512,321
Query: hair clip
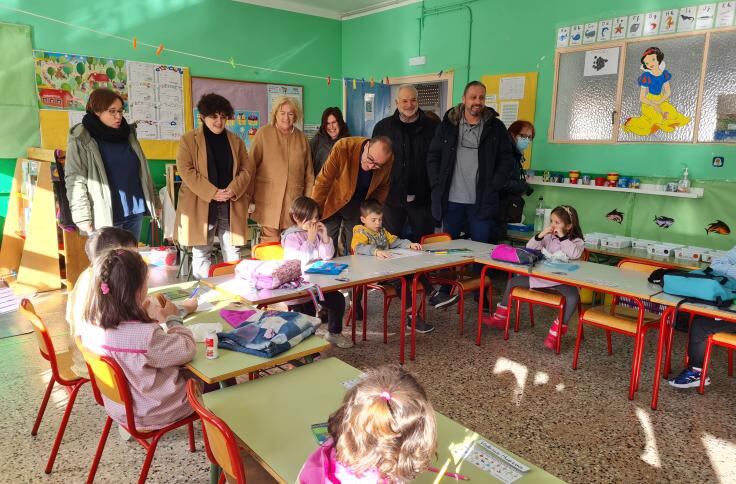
386,396
105,288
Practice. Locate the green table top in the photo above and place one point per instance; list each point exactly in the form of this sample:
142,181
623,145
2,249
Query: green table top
272,416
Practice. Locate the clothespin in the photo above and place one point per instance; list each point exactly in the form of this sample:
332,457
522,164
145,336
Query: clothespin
439,74
135,43
232,62
388,83
160,49
355,84
372,83
329,80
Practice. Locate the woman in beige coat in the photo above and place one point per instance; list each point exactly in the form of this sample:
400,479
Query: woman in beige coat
213,165
282,170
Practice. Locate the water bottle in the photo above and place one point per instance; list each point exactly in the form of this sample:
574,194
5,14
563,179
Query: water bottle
539,216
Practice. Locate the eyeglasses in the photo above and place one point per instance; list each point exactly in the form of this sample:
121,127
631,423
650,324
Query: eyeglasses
215,117
115,112
371,162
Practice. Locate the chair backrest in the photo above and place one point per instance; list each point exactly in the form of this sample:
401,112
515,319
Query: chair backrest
635,265
222,269
220,442
268,251
45,344
435,238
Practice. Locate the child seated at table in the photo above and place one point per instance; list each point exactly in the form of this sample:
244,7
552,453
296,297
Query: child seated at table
563,234
149,356
308,242
371,238
100,241
702,327
385,431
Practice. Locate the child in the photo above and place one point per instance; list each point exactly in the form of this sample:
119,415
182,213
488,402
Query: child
149,356
100,241
372,239
563,234
385,431
308,241
702,327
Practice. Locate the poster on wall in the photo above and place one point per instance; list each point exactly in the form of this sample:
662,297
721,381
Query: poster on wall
590,31
369,106
651,23
686,19
604,30
636,26
563,36
244,124
669,22
619,28
601,62
576,35
295,92
724,17
705,16
156,100
65,81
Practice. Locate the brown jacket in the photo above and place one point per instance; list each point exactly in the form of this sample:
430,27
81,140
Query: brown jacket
335,184
282,172
192,209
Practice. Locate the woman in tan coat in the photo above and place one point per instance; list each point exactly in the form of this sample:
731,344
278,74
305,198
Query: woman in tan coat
213,165
282,170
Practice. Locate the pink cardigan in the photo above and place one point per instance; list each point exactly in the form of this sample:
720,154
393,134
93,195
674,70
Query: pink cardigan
573,249
150,359
322,468
296,246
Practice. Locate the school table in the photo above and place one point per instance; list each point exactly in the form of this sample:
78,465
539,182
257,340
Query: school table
231,364
671,302
623,253
273,416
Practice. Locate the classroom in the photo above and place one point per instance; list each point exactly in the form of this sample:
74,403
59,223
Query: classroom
376,241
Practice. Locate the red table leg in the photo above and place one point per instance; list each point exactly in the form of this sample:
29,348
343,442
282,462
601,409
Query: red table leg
660,346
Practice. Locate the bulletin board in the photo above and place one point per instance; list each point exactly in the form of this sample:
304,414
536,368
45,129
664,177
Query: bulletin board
514,97
156,97
251,102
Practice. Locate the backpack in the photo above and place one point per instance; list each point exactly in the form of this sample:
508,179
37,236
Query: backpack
517,255
270,274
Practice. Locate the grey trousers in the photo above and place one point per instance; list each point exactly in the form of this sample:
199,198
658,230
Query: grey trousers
571,293
218,224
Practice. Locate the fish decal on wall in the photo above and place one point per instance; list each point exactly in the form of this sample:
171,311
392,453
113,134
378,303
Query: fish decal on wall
615,216
718,227
663,222
576,36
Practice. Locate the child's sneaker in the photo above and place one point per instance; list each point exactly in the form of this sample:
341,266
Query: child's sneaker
421,325
338,340
688,378
551,340
498,320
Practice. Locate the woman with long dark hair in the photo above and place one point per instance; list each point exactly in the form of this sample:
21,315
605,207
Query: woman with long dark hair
331,129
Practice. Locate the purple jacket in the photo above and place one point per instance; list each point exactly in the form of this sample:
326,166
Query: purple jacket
573,249
296,246
322,468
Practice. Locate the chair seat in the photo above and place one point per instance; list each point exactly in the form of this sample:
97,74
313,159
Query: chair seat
389,290
555,299
728,338
624,319
473,283
64,363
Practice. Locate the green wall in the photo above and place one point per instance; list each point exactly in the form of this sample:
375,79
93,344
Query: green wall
214,28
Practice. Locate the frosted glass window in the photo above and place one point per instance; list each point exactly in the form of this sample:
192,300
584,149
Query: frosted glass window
674,120
718,111
585,104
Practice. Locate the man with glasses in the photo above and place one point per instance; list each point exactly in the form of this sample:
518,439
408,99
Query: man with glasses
357,169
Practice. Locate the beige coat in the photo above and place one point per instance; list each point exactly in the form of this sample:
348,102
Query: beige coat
282,172
192,210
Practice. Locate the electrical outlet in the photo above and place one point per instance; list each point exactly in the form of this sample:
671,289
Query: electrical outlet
418,61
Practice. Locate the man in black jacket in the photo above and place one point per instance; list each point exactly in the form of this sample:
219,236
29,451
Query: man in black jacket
469,164
411,132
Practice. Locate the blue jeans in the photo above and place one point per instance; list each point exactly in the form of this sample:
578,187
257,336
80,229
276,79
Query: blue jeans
132,224
463,217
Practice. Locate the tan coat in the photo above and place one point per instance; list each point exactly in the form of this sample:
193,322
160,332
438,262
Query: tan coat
282,173
335,184
195,195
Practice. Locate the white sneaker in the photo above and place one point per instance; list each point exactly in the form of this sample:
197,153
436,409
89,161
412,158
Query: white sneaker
124,435
338,340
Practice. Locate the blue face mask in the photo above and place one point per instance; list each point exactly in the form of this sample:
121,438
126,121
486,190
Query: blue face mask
522,143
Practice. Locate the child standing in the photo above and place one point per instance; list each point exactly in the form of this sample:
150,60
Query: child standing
149,356
308,242
385,431
372,239
563,234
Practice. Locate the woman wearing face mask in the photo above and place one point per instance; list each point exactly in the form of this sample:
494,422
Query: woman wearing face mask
512,201
108,182
215,172
282,169
333,128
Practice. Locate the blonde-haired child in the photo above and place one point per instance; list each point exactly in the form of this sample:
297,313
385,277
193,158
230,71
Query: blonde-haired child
384,432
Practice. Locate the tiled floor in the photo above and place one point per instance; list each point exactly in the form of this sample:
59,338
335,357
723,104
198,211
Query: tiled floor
578,425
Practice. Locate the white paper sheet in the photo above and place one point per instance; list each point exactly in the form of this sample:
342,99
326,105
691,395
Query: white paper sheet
725,15
636,26
601,62
618,31
705,16
651,23
512,88
668,24
509,112
686,19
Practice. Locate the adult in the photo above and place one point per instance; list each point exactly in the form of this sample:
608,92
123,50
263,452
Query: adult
282,169
108,182
512,201
357,169
213,165
411,133
469,164
331,129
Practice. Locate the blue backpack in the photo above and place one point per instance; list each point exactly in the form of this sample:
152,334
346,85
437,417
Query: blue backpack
701,286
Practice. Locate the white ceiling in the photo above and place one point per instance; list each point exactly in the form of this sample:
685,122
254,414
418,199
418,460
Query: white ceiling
335,9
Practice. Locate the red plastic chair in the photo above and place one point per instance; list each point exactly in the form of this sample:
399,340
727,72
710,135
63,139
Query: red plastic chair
726,340
109,379
61,373
219,441
222,269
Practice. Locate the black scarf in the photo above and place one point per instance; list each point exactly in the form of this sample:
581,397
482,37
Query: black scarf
100,131
219,158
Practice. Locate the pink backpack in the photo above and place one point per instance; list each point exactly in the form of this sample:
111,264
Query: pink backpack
270,274
516,255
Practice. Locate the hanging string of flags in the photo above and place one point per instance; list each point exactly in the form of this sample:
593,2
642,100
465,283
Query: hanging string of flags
159,49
